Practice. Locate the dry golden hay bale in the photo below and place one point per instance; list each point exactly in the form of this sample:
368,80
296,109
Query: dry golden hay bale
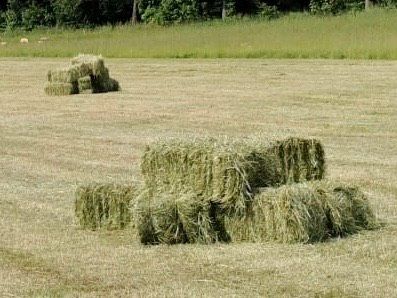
104,205
304,212
65,75
61,89
172,217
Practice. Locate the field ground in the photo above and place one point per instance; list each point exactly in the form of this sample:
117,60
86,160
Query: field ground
365,35
48,145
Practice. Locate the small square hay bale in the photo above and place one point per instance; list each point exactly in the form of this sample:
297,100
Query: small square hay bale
95,65
172,217
84,84
104,205
301,159
221,171
61,89
303,212
66,75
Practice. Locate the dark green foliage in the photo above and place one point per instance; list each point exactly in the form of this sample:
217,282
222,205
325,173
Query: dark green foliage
169,11
104,205
268,12
335,6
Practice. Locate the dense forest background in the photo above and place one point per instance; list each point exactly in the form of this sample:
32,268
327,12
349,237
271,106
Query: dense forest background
29,14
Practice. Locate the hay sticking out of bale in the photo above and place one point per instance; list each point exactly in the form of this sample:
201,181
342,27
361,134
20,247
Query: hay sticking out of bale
305,212
61,89
173,217
104,205
301,159
226,172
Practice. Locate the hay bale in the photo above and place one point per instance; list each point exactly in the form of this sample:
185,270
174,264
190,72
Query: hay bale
104,205
65,75
304,212
89,65
300,159
172,217
61,89
84,84
226,172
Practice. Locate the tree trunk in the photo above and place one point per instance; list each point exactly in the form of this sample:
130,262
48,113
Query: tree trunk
223,10
134,13
368,4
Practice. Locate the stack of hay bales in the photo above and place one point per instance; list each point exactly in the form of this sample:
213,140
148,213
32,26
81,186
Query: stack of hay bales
222,179
104,205
86,74
209,190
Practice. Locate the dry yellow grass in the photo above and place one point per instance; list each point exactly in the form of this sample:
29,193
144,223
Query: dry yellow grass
48,145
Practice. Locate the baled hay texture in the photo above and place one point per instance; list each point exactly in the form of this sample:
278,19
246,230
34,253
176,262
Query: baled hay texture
84,84
306,212
61,88
175,217
66,75
103,83
221,171
89,64
104,205
301,159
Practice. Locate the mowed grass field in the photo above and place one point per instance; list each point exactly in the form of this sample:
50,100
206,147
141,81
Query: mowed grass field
49,145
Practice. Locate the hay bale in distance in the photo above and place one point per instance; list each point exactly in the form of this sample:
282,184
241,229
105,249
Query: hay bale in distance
303,212
104,205
65,75
61,89
93,65
83,67
84,84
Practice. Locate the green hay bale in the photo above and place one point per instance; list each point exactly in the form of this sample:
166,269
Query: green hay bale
301,159
84,84
104,205
113,85
173,217
306,212
61,89
89,65
66,75
103,83
226,172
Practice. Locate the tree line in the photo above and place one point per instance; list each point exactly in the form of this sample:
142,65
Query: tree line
29,14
